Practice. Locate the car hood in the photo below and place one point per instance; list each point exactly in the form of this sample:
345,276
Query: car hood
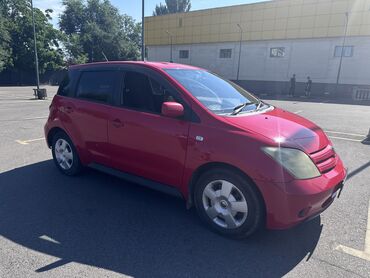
285,128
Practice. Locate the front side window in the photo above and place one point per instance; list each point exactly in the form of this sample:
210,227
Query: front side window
346,51
143,93
97,86
225,53
217,94
184,54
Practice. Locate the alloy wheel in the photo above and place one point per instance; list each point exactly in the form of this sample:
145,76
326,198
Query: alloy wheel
63,154
225,204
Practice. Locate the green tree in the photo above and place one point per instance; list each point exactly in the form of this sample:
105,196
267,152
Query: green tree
5,50
172,6
160,9
93,29
17,18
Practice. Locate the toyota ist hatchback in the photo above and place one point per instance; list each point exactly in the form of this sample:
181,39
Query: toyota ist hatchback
244,164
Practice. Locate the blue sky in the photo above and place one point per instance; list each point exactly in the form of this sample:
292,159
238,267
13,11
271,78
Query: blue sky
133,7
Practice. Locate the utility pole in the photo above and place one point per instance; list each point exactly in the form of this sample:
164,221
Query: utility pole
35,46
342,52
142,31
240,49
170,36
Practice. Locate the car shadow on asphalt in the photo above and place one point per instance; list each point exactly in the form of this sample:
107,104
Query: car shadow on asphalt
99,220
358,170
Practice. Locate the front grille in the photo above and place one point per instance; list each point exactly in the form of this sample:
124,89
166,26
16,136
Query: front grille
324,159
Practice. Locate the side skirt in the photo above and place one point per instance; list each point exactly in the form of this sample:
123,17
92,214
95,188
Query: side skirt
170,190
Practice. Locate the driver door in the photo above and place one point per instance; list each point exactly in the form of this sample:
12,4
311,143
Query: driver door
142,141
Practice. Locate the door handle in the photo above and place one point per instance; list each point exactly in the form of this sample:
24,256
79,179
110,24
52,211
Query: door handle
65,109
68,109
117,123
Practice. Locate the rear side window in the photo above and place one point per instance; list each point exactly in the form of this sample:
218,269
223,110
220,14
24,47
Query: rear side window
97,86
64,87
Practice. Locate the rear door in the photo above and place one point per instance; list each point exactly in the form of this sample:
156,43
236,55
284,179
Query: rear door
144,142
88,112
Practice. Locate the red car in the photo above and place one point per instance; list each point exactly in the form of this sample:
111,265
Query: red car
241,162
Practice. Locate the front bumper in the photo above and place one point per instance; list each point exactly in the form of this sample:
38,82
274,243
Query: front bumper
301,200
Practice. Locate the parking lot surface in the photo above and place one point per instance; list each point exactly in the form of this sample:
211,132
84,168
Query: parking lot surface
95,225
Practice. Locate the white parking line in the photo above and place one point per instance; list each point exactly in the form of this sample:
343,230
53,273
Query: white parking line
24,119
346,139
24,101
26,142
47,238
365,255
344,133
298,112
35,118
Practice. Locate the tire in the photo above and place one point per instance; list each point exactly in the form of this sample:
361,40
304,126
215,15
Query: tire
237,216
65,155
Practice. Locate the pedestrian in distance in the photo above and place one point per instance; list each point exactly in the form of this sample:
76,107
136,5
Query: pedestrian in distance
308,87
292,86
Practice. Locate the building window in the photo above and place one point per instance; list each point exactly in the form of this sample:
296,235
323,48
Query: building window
180,22
225,53
184,54
277,52
346,50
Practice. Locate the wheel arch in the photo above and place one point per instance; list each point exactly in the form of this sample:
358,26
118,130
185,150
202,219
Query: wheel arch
51,133
214,165
84,155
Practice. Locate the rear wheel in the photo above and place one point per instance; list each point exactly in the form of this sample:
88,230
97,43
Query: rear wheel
229,203
65,155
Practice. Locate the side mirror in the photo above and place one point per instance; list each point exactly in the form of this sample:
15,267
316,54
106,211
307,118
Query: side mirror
172,109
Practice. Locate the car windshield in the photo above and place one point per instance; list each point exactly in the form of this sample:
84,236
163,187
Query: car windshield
217,94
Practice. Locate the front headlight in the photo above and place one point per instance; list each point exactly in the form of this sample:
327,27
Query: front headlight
295,161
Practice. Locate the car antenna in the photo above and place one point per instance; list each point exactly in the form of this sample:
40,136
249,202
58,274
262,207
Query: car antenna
105,57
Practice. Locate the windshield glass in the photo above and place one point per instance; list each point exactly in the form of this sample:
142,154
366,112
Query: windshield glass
217,94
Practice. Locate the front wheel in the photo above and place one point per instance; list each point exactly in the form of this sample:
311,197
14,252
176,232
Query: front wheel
229,203
65,155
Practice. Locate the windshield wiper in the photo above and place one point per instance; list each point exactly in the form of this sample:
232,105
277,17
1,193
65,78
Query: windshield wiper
240,108
260,103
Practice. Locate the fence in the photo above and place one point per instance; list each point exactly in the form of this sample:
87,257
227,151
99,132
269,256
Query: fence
24,78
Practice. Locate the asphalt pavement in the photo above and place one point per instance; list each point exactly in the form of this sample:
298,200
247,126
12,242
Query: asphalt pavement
95,225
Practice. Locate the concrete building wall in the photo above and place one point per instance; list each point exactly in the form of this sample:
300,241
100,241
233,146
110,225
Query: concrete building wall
308,30
270,20
304,57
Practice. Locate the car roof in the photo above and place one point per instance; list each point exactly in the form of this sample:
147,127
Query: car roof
155,65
